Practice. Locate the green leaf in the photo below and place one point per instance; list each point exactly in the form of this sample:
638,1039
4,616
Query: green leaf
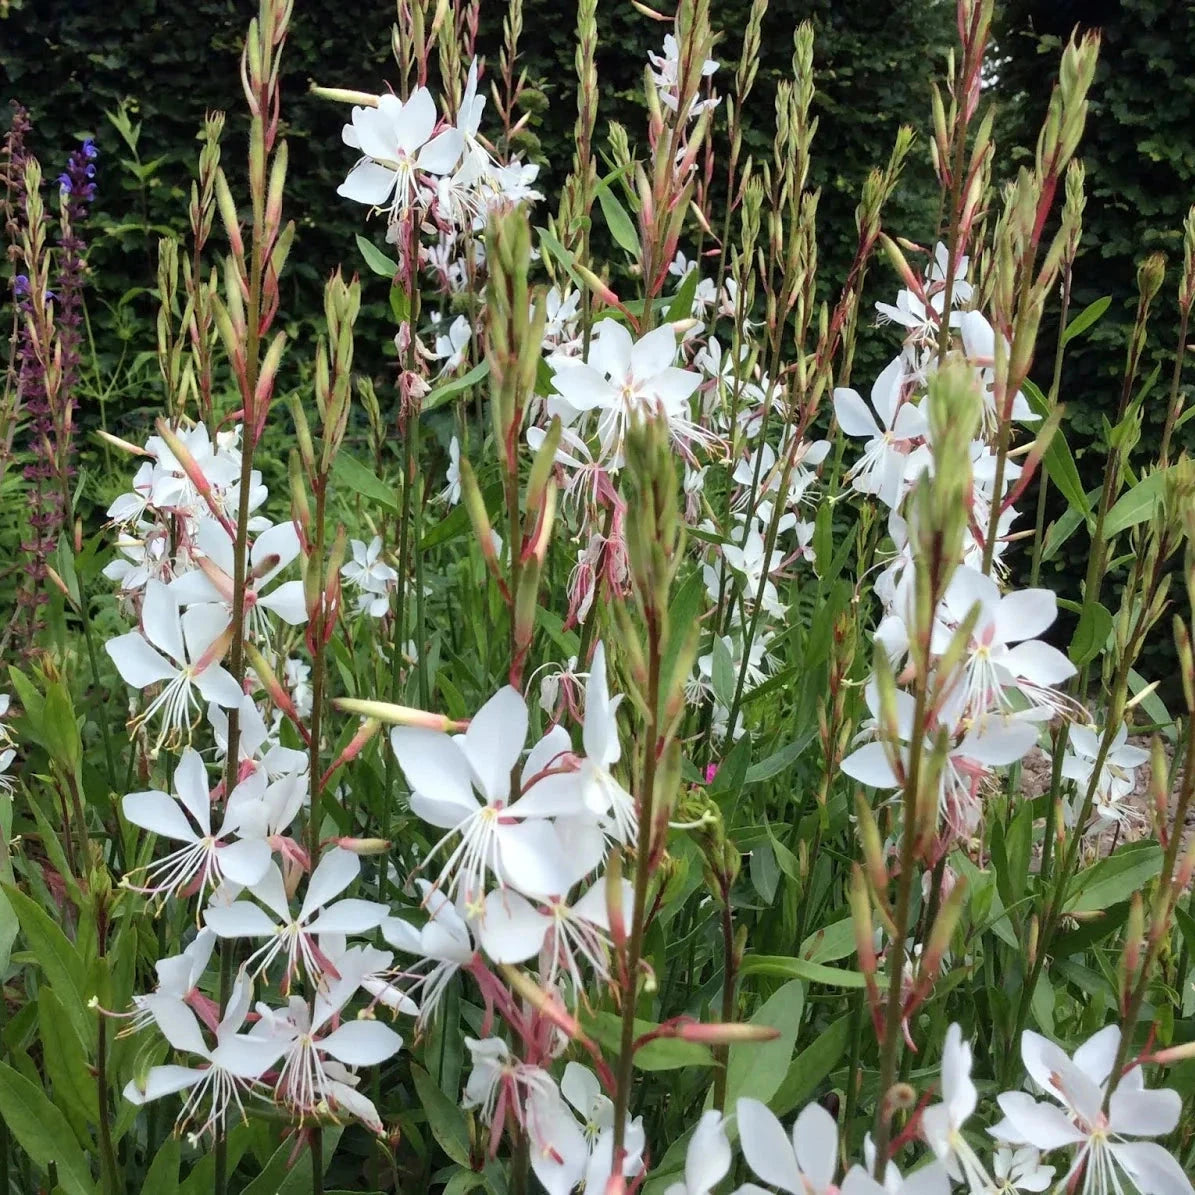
621,226
60,961
8,931
1091,633
757,1069
1086,318
457,522
811,1066
441,394
162,1176
1153,705
1059,462
1115,878
830,943
724,678
43,1132
1064,527
444,1118
65,1064
681,306
464,1181
799,968
683,612
377,261
60,728
1137,505
279,1177
778,761
360,479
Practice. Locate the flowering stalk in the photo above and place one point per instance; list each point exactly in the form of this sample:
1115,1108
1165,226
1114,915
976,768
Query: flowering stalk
1186,295
655,548
939,505
244,318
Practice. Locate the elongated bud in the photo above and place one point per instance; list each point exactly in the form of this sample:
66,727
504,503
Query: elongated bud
368,729
1134,940
399,715
729,1033
343,95
541,466
944,926
265,675
483,532
363,846
300,510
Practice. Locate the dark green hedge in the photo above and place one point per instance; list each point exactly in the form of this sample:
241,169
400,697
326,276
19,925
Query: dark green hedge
173,59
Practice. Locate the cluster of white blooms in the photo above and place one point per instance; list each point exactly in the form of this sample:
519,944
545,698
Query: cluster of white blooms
1093,1139
372,578
415,164
176,574
177,542
1001,688
521,879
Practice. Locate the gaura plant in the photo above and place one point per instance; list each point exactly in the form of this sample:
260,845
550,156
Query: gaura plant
607,772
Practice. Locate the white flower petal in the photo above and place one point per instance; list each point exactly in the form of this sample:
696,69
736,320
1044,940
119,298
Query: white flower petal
361,1043
369,183
336,870
512,930
494,741
766,1146
160,814
139,664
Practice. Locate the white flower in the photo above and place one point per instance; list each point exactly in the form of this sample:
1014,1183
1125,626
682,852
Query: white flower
178,978
1117,775
942,1123
294,936
308,1079
979,343
885,465
367,569
181,649
1102,1149
452,491
1019,1170
665,69
623,379
230,1069
992,669
505,837
206,859
397,144
512,930
212,581
451,347
444,941
804,1166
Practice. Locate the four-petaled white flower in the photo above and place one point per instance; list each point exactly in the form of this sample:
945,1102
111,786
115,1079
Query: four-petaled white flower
397,143
181,649
1104,1152
206,859
294,936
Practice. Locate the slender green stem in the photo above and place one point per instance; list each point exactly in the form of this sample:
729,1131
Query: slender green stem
107,1154
890,1046
729,977
634,949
